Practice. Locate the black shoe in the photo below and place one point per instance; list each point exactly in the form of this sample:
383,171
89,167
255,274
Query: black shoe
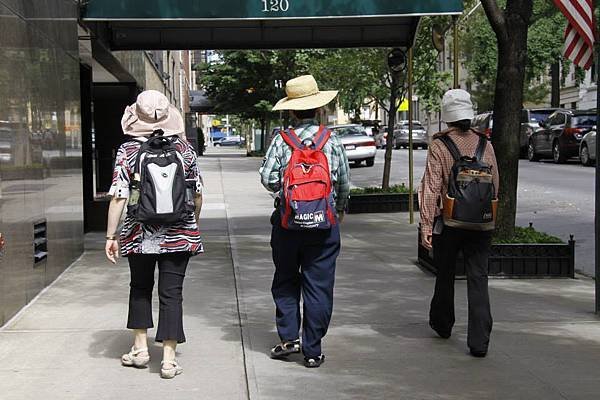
284,349
478,353
314,362
441,333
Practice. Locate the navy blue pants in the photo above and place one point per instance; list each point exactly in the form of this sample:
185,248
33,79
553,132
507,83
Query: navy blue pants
304,268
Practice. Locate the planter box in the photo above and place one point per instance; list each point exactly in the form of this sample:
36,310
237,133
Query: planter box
518,260
380,203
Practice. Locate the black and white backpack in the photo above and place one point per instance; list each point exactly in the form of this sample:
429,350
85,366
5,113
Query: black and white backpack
158,188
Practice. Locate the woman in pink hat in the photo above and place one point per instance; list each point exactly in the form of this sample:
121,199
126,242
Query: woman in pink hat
152,168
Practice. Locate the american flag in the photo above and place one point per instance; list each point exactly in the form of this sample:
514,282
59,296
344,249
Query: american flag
581,31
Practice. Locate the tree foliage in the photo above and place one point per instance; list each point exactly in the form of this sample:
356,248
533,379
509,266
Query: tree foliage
544,46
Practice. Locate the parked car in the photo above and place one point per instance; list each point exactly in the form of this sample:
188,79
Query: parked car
7,137
531,120
587,148
419,135
484,123
230,141
359,146
560,135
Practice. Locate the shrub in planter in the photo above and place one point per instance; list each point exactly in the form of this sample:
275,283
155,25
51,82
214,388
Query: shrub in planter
375,200
528,254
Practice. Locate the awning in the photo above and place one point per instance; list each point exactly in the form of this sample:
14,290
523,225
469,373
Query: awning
199,102
244,24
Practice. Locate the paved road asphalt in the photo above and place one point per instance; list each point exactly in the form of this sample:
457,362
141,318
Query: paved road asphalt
558,199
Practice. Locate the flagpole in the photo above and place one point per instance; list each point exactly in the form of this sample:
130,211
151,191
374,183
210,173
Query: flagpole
597,197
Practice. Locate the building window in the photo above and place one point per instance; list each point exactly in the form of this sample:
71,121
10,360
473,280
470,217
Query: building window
574,105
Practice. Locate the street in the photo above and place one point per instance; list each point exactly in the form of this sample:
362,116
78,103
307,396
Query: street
557,199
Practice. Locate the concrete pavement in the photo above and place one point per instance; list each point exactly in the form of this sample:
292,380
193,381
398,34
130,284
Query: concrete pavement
67,343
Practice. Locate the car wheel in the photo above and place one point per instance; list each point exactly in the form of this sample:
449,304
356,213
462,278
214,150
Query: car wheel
217,144
557,154
370,161
531,154
397,145
584,155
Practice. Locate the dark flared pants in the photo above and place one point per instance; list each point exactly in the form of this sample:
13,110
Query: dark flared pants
171,271
476,250
304,268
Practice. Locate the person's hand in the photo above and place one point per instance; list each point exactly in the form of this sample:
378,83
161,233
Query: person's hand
112,250
426,241
341,215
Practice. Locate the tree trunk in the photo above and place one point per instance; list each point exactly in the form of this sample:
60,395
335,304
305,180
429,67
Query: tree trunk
263,128
555,76
511,28
387,167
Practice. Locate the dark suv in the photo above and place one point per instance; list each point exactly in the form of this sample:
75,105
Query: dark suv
560,135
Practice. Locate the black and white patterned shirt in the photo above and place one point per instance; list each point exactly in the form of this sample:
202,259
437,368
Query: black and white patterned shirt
138,238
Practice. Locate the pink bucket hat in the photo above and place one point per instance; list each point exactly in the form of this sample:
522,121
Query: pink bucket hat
150,112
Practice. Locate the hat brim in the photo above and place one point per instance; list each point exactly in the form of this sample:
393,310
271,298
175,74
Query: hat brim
307,103
457,115
132,125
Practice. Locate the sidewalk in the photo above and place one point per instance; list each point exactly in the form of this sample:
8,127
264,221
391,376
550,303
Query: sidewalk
66,345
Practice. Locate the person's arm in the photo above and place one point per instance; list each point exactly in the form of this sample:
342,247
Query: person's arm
342,185
270,175
197,207
115,210
429,193
194,174
495,172
119,192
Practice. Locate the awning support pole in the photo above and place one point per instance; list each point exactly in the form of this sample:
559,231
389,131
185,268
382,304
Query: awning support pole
456,60
410,139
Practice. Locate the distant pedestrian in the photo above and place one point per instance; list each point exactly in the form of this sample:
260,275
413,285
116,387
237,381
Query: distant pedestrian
458,205
308,168
157,176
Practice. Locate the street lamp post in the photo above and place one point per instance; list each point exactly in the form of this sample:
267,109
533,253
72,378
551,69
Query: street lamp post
396,63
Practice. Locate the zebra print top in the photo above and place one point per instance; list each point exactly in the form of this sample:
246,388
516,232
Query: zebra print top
135,237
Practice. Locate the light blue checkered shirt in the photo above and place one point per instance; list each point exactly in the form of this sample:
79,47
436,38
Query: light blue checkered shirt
279,154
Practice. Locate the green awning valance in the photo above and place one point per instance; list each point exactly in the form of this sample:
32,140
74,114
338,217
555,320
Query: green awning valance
263,9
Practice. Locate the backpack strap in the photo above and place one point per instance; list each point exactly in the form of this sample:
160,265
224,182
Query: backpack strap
481,148
321,138
291,139
451,146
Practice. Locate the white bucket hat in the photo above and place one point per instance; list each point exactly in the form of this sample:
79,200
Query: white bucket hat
457,106
150,112
303,94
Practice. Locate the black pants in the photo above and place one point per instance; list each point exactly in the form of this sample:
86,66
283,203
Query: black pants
476,250
304,268
171,269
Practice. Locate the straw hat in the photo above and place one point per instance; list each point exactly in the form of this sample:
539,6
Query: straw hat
457,106
150,112
303,94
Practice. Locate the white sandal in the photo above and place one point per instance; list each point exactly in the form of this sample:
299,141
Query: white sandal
170,373
134,359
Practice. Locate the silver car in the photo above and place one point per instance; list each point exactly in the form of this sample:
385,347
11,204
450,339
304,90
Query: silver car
587,148
358,144
419,135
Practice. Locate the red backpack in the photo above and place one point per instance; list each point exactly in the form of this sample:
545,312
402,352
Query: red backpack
307,201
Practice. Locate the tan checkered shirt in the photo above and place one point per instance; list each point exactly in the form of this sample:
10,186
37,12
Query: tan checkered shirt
434,184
